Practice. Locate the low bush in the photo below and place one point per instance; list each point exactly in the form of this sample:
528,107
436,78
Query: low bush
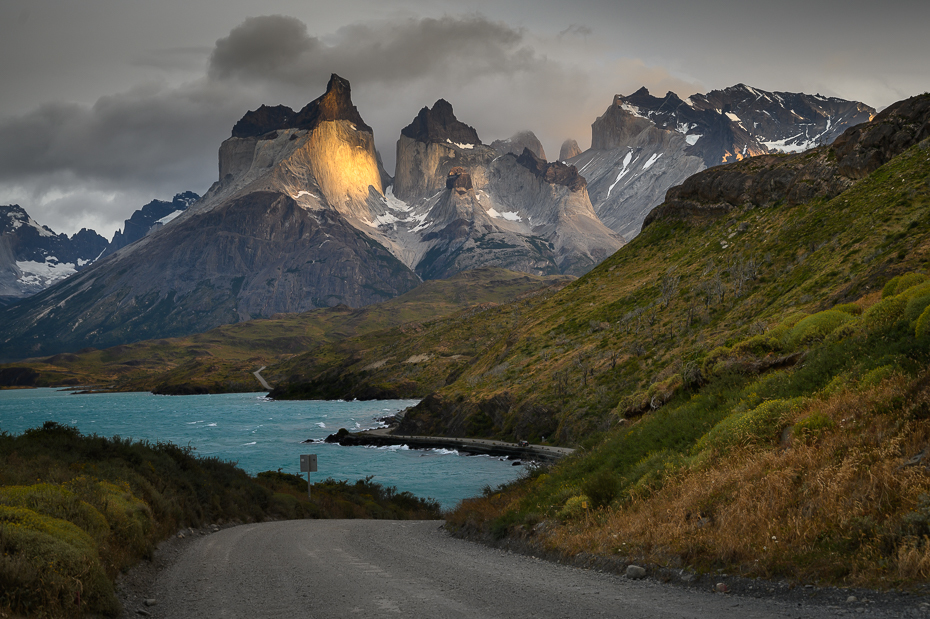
816,327
762,424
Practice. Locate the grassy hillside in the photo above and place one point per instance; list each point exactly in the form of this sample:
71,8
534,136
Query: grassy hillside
223,359
750,387
76,510
640,328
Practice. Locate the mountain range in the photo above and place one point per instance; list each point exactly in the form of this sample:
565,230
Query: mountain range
305,216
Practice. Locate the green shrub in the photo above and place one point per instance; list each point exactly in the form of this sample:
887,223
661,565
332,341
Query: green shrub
759,345
574,507
713,359
792,319
601,488
923,323
850,308
908,280
811,427
883,314
50,564
875,376
816,327
58,502
915,307
890,287
913,292
763,424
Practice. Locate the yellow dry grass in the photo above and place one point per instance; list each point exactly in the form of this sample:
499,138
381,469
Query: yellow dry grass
838,507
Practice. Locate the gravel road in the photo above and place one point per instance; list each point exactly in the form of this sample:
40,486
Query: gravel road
376,568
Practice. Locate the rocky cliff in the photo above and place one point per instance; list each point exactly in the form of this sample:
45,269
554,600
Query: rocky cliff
519,142
642,144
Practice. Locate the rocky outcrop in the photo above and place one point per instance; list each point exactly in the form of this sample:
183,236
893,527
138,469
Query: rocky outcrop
153,215
643,145
334,104
429,147
33,257
569,149
518,142
556,172
862,149
824,172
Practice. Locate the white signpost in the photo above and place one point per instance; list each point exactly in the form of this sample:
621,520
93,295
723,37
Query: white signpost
308,465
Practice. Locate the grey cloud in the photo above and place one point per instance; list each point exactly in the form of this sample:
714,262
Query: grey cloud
278,48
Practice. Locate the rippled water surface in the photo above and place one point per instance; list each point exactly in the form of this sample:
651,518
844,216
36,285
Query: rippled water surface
261,435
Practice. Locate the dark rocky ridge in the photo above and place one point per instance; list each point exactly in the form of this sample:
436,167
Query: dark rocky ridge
556,172
824,172
439,124
145,218
335,104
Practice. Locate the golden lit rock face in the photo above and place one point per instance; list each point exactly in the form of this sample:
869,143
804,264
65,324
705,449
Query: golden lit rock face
345,165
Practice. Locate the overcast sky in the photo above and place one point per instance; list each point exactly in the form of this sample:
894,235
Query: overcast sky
107,104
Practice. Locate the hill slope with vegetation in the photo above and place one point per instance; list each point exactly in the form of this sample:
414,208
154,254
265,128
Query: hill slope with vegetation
222,360
756,399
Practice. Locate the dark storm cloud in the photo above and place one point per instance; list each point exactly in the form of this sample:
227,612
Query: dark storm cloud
279,48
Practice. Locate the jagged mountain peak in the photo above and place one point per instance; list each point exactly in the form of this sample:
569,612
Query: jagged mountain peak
517,142
334,104
556,173
569,149
439,124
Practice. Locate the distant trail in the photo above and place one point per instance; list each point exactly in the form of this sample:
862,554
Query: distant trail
378,568
258,375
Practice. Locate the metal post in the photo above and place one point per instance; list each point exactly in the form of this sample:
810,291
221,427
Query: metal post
308,465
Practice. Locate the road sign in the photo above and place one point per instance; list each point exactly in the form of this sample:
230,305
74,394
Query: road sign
308,463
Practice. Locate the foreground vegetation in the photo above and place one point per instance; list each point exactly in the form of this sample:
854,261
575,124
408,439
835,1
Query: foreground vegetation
76,510
819,471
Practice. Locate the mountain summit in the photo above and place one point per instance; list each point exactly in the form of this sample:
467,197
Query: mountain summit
642,145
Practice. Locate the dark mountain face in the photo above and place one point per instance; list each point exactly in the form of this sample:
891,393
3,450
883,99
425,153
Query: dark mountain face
155,213
32,257
335,104
439,124
254,256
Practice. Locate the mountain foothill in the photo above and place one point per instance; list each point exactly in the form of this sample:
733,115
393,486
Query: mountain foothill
304,215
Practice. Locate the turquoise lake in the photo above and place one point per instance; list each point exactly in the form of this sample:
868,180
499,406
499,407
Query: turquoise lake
261,435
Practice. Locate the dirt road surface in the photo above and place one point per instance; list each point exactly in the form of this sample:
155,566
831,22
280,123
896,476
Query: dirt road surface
368,568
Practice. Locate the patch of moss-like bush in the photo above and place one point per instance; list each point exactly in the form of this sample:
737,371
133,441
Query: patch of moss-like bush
811,427
50,566
884,313
897,285
602,488
816,327
923,323
850,308
574,507
915,307
875,376
762,424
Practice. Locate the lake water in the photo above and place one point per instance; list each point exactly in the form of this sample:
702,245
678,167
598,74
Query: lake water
261,435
